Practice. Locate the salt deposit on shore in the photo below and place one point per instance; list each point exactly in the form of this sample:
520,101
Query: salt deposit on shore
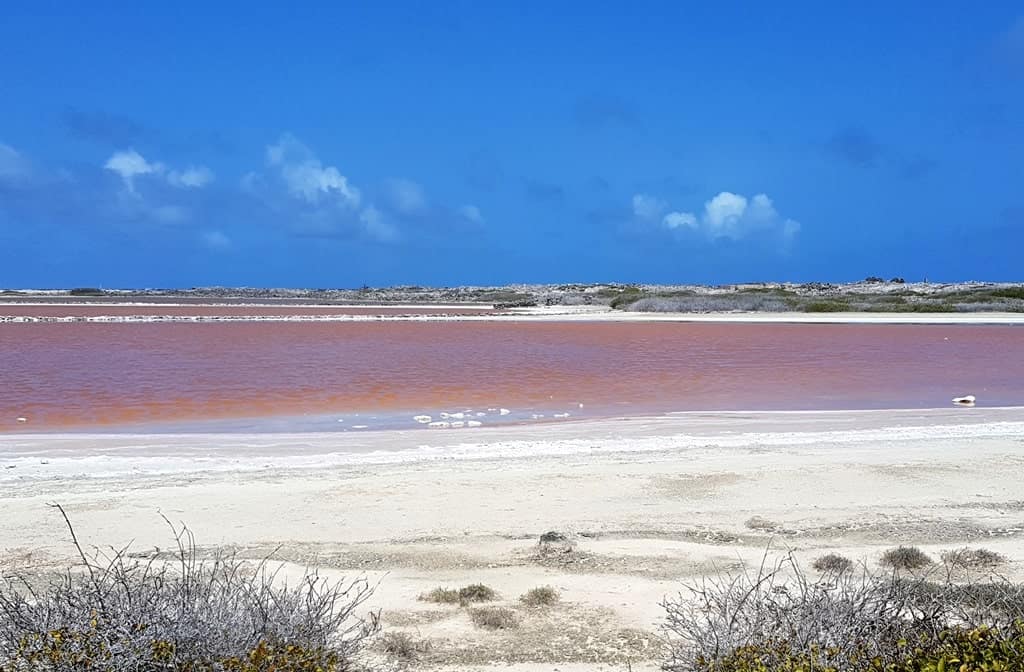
648,502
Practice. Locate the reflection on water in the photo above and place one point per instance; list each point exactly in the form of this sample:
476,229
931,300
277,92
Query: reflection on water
85,374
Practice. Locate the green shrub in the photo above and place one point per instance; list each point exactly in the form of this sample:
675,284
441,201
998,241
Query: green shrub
86,291
1008,292
543,596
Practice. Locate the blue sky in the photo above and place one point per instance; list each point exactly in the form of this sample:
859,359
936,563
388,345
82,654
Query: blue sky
180,144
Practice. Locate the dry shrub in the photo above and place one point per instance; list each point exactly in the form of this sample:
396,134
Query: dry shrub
906,558
494,618
973,558
404,646
476,592
777,619
543,596
118,614
833,562
762,524
441,596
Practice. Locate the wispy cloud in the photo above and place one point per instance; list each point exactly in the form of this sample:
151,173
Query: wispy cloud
471,213
15,169
192,177
215,240
307,178
406,196
646,206
129,165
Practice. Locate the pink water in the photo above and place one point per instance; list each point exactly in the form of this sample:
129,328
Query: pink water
93,375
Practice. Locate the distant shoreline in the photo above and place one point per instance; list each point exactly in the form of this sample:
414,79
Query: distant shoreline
532,314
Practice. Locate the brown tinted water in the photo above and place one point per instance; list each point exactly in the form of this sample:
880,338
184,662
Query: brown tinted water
74,375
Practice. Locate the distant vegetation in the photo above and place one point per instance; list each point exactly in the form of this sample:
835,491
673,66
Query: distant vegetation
873,294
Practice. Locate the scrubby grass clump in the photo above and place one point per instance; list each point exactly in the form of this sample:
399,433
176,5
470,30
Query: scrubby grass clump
494,618
973,558
833,562
186,615
777,620
905,558
542,596
403,646
476,592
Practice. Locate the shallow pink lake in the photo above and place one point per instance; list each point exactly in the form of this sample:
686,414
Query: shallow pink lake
109,375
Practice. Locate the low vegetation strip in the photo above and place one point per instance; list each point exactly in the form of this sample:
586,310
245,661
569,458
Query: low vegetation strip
778,620
115,614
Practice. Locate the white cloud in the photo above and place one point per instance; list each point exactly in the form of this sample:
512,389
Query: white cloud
215,240
307,178
727,215
722,214
406,197
680,220
129,164
472,213
192,177
646,206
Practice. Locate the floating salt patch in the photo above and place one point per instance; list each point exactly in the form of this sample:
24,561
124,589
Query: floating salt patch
359,426
445,415
537,416
560,415
492,410
503,411
474,423
457,424
967,400
341,419
481,414
422,419
581,405
439,425
22,420
457,416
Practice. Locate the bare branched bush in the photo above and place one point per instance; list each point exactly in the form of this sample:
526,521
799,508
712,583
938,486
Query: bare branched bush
542,596
973,558
832,562
115,613
775,618
494,618
905,558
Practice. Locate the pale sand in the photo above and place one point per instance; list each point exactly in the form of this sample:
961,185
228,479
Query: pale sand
652,502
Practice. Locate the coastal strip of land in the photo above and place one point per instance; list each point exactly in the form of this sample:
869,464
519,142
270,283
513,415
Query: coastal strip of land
644,504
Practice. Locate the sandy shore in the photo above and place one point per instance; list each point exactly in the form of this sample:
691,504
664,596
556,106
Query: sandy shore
650,502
